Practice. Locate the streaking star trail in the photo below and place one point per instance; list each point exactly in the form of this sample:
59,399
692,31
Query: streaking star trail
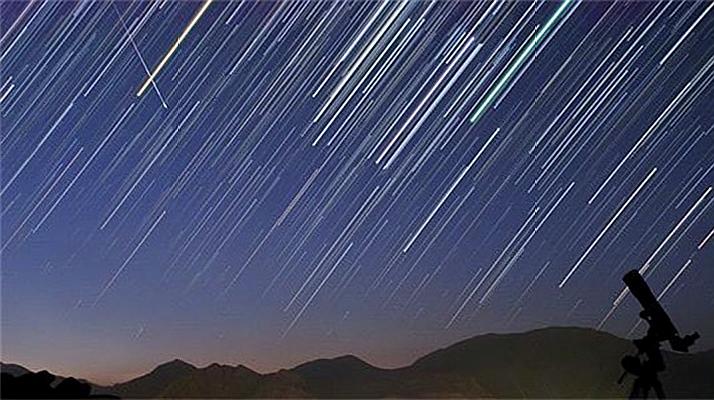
273,181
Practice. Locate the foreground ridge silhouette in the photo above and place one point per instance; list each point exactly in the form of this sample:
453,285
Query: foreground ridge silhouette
39,385
661,329
547,363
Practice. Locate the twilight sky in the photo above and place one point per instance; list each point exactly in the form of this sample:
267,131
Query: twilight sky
269,182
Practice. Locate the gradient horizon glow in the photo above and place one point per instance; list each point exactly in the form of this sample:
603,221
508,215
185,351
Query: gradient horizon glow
265,183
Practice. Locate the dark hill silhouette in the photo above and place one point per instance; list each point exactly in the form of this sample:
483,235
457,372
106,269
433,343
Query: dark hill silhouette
346,376
563,362
553,362
351,377
20,383
689,375
215,381
13,369
155,382
545,363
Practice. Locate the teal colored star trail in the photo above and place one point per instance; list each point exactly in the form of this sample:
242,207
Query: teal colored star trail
268,182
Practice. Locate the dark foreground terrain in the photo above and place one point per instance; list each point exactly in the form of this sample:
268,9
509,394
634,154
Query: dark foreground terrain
546,363
17,382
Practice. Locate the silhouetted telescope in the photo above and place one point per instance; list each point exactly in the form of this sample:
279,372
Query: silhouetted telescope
661,327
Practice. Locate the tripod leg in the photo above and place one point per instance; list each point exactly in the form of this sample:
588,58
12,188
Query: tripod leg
636,387
657,385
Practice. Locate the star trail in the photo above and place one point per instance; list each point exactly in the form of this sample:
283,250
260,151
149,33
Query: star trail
263,182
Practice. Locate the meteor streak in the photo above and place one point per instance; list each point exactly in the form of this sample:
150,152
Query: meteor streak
505,78
173,48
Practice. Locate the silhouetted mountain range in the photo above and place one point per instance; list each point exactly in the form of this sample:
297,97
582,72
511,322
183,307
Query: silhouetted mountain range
13,369
545,363
17,382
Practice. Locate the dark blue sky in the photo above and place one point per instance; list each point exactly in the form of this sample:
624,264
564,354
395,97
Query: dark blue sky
312,178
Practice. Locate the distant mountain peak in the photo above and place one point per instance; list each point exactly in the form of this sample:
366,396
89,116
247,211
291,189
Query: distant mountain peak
13,369
155,382
176,363
349,357
217,366
343,366
352,360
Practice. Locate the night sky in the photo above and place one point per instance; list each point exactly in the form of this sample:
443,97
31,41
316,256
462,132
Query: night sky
270,182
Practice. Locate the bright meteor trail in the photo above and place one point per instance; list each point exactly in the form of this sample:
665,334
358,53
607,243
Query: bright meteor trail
150,79
506,77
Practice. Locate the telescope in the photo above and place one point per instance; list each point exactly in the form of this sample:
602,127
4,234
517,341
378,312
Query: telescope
649,362
661,327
